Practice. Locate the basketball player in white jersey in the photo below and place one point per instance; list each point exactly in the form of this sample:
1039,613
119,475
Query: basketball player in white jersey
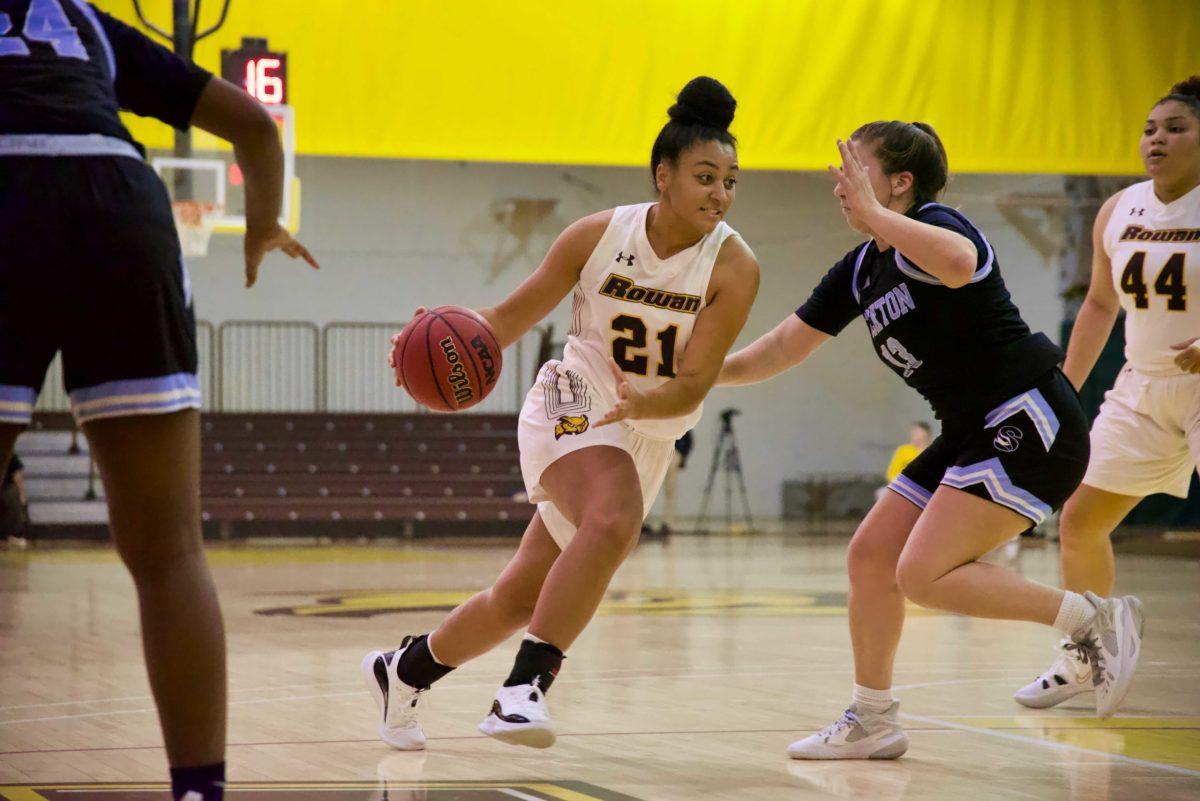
661,290
1147,436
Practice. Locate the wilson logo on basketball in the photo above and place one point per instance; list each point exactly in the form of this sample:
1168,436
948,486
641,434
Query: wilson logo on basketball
458,379
485,359
571,424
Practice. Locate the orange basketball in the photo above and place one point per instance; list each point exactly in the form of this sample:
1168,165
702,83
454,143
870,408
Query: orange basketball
448,359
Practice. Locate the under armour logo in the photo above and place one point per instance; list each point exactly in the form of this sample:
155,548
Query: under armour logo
621,257
1137,212
1008,439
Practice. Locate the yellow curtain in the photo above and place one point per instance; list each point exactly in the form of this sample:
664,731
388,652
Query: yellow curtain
1059,86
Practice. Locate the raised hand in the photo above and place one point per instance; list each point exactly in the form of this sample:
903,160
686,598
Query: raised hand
854,183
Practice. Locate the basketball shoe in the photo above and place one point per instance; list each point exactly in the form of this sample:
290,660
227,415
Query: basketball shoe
1069,676
519,717
397,702
856,735
1114,642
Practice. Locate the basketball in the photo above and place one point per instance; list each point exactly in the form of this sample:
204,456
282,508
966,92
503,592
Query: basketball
447,358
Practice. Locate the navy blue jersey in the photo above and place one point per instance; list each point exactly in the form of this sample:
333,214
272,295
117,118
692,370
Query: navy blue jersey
963,349
66,68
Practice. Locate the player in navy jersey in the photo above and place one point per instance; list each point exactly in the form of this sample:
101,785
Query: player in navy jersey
1013,445
90,265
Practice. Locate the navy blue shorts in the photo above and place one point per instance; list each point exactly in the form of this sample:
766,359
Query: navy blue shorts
90,266
1028,453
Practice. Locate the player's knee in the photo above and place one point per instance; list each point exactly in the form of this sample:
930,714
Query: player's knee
615,524
1075,529
915,582
867,561
151,559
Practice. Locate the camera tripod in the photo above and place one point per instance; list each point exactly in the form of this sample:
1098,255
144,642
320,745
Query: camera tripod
728,458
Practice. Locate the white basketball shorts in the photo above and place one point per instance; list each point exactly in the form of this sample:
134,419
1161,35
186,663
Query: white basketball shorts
558,418
1147,436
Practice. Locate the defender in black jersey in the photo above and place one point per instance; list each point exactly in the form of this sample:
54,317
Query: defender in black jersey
1013,446
90,266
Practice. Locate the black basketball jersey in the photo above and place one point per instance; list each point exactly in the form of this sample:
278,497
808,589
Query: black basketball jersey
963,349
66,68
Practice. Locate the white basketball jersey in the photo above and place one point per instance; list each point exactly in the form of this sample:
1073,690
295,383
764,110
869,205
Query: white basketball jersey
1155,253
639,310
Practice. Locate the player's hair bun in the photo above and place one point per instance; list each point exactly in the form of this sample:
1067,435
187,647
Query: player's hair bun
1188,86
704,101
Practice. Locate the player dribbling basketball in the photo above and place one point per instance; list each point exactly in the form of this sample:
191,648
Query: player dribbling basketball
661,291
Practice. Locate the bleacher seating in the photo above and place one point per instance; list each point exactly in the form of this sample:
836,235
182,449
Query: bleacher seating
327,468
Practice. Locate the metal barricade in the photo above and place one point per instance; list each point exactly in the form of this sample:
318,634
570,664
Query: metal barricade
268,366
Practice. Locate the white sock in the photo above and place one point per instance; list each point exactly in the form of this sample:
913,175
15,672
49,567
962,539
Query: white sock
533,638
873,700
1075,613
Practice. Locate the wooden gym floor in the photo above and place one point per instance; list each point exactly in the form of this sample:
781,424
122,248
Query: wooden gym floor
711,655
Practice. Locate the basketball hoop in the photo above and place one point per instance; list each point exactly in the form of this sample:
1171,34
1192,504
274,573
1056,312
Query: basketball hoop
195,222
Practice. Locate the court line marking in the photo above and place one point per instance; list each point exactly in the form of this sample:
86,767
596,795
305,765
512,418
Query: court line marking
631,673
86,702
477,685
599,675
1075,749
517,794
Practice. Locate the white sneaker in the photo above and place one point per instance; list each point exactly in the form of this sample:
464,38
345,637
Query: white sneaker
856,735
519,717
1069,676
1114,642
397,702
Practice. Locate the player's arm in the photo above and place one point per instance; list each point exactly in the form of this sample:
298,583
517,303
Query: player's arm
153,82
558,273
947,255
775,352
226,111
1099,311
733,287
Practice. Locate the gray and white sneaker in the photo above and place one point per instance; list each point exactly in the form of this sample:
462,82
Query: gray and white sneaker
1114,643
397,702
519,717
1069,676
856,735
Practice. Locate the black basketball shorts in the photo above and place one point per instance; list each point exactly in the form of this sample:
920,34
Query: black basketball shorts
1028,454
90,266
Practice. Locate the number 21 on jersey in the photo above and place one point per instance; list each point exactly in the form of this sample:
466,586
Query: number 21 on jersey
1169,283
634,339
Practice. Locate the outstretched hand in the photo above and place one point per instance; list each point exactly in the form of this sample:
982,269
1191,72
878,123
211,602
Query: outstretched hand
629,403
854,183
261,241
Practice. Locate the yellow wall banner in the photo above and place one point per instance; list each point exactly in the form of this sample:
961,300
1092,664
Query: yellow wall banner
1056,86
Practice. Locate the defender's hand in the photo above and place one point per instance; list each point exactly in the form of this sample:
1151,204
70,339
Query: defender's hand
261,241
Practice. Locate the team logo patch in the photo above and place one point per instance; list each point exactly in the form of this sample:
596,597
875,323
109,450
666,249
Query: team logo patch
570,424
1008,439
